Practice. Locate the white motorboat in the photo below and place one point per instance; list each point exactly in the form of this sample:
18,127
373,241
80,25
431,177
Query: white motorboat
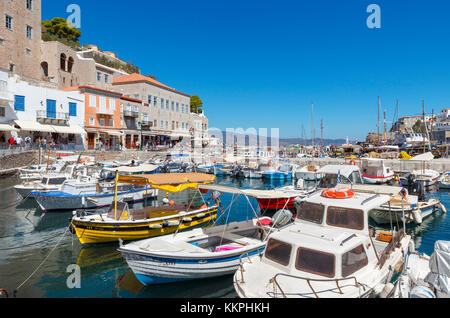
424,276
329,252
200,253
427,177
374,171
444,181
332,175
46,184
308,173
36,172
87,192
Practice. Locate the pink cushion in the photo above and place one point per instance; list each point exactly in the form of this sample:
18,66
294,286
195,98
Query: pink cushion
226,248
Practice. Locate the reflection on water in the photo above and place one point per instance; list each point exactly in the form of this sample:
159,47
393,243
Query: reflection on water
27,236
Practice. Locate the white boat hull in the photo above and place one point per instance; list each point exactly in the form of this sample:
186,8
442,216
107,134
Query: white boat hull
60,201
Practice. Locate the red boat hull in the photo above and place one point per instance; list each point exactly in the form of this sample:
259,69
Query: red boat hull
276,204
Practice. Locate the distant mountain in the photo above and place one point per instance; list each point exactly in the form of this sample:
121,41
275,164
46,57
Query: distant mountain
308,142
290,141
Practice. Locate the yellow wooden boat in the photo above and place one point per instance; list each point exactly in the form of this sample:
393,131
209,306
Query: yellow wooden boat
121,223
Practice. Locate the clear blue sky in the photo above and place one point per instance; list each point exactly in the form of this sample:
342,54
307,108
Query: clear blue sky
261,63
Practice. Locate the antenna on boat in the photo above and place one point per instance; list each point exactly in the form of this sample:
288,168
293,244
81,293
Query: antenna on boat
115,195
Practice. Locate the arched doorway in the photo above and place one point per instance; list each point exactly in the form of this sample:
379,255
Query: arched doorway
44,68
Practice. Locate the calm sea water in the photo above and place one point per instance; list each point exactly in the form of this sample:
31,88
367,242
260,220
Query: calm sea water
27,236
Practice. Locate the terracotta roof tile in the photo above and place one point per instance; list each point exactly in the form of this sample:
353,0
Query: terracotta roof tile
138,78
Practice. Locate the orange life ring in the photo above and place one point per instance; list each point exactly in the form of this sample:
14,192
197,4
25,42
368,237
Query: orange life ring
353,162
338,193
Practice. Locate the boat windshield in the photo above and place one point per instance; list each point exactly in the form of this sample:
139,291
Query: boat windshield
53,181
345,218
315,262
353,261
278,251
310,212
331,180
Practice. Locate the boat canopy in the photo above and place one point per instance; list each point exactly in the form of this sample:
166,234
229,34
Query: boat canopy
138,169
171,182
345,170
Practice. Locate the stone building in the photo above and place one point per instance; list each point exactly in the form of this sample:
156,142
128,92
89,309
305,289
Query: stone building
65,67
167,109
20,37
102,120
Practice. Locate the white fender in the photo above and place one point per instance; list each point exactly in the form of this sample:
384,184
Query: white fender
444,210
417,216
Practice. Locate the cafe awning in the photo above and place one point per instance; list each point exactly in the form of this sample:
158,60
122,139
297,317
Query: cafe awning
6,127
34,126
113,132
72,129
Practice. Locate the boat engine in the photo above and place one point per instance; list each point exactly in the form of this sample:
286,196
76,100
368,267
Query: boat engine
281,218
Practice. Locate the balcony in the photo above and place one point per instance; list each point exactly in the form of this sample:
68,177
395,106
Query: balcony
130,113
45,117
105,111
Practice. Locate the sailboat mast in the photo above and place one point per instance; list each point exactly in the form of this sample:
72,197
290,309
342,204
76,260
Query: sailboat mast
321,135
424,125
312,114
378,123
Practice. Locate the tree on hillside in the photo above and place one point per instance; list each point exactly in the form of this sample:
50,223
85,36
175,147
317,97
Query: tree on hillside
196,104
418,127
59,29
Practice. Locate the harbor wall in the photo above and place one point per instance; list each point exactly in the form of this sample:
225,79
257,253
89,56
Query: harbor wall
9,163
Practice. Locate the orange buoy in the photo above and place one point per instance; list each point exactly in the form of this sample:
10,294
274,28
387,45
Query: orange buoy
338,193
171,203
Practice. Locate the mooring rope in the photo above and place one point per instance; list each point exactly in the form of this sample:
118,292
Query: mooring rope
42,263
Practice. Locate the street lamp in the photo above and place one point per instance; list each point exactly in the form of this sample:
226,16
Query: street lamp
140,144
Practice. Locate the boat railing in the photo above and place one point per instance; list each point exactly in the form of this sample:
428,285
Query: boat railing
276,284
241,267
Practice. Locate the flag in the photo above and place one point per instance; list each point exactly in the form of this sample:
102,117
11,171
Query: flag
339,177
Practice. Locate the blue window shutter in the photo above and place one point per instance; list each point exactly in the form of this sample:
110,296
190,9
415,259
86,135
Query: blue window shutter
19,103
51,108
73,109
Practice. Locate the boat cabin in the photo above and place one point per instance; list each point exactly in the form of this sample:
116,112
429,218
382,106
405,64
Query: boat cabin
348,174
375,167
53,180
350,214
325,254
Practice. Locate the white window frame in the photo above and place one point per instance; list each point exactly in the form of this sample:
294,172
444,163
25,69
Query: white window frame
29,32
91,121
11,22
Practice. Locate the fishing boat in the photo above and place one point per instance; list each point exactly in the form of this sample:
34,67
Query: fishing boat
424,276
308,173
328,252
375,172
332,175
119,222
89,193
199,253
408,207
46,184
223,171
35,172
444,181
427,177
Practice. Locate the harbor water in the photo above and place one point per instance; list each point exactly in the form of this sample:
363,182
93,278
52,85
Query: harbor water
39,245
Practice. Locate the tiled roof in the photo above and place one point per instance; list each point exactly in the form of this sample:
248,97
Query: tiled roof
75,88
138,78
